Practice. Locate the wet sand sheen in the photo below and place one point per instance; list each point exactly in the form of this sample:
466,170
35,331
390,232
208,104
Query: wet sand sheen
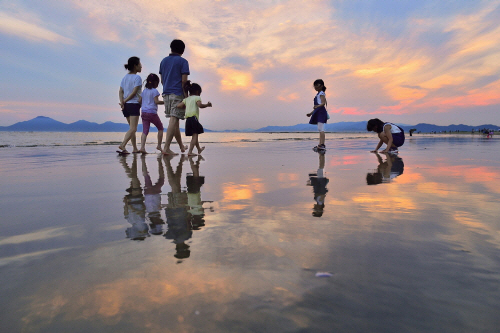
232,243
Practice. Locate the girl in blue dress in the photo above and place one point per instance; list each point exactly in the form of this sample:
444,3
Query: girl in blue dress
319,115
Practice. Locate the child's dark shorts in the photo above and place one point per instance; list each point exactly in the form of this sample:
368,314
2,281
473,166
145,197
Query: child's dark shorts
193,126
398,139
131,109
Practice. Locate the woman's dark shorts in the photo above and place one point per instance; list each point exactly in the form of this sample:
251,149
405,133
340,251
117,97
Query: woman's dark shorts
131,109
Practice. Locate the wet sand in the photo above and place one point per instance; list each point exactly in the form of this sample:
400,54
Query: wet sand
233,243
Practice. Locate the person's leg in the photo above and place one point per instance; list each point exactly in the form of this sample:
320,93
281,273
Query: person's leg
173,124
194,141
178,138
146,123
133,121
322,138
200,149
160,138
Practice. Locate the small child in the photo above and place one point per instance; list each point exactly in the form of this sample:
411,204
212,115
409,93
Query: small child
192,105
390,134
319,115
149,114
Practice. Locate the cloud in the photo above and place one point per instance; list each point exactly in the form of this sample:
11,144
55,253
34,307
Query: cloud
30,31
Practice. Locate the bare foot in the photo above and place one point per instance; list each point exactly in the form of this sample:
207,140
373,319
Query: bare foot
200,150
159,148
121,148
168,152
183,148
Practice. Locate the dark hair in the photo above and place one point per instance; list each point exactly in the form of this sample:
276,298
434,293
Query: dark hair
177,46
152,81
321,82
132,62
376,125
374,178
192,88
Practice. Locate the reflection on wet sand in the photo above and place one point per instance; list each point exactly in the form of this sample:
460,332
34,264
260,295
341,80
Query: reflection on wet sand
184,210
318,181
387,170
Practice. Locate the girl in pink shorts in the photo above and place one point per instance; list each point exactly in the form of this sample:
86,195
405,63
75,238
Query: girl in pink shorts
149,114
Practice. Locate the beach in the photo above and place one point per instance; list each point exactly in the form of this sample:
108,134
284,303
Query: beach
261,234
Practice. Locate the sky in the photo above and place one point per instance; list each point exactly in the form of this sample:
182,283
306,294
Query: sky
404,61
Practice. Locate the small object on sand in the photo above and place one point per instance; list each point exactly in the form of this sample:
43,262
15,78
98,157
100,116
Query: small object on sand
324,274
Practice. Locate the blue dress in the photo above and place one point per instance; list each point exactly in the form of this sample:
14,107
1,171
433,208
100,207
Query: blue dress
320,115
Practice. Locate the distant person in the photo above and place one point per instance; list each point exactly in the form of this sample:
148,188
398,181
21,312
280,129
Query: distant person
131,104
149,113
392,135
319,115
174,71
192,104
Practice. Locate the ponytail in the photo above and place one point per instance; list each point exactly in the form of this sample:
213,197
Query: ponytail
132,62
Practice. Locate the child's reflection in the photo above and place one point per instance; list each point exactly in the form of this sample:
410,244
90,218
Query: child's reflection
152,196
134,209
194,183
318,181
176,210
387,170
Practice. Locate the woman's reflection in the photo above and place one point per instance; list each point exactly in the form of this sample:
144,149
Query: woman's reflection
134,209
387,170
318,181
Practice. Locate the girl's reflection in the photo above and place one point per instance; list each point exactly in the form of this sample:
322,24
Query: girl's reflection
387,170
318,181
194,183
134,209
152,197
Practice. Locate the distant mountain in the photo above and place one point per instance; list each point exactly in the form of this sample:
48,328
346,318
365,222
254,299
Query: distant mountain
360,126
46,124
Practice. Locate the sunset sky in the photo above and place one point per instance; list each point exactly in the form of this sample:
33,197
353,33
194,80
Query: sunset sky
405,61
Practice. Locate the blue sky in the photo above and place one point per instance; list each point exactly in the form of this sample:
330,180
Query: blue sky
401,61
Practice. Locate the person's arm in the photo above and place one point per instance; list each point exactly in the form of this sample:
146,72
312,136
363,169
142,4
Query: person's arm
184,80
202,106
380,143
157,100
323,101
387,131
120,96
132,94
181,105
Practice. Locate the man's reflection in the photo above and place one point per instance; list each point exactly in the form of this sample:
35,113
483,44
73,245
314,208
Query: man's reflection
152,197
387,170
134,209
176,210
318,181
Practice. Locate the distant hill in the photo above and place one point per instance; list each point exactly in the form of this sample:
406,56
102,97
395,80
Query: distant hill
360,126
46,124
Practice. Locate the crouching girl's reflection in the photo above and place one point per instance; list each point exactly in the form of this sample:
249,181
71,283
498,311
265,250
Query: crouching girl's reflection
387,170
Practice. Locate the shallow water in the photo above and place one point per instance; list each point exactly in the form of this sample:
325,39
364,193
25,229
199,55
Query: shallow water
87,243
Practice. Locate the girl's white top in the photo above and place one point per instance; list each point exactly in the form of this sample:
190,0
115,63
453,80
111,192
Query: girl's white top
318,98
394,128
148,100
129,82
